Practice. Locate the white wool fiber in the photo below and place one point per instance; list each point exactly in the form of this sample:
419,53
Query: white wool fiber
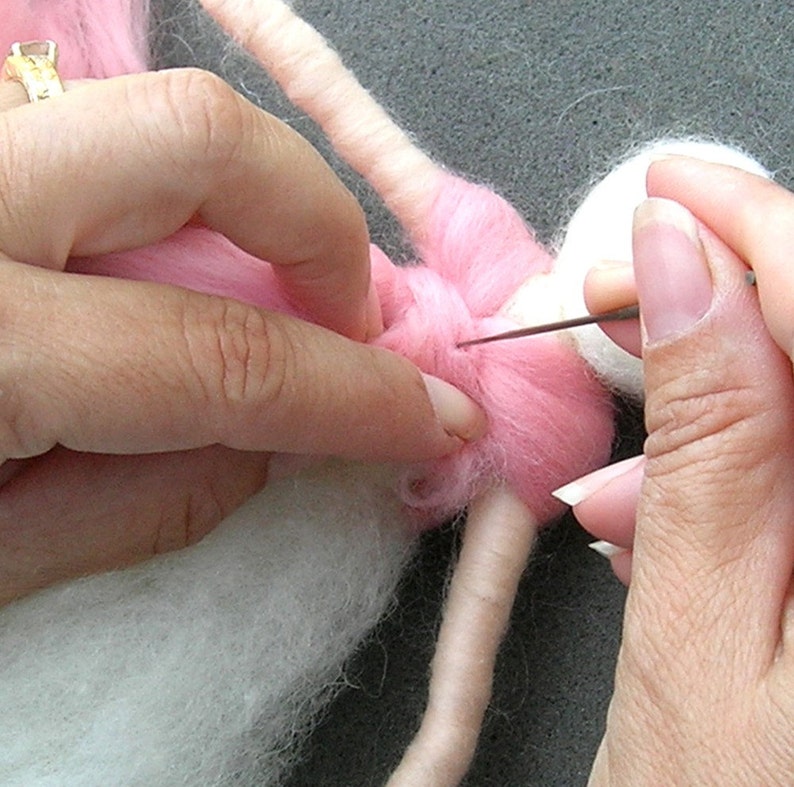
600,229
207,666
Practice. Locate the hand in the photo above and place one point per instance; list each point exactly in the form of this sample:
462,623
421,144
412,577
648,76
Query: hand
704,690
135,416
756,219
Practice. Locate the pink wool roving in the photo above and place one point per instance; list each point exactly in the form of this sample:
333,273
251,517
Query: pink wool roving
476,253
100,45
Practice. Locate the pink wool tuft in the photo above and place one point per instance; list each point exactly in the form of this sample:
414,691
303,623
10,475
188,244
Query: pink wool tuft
477,253
199,259
549,419
92,45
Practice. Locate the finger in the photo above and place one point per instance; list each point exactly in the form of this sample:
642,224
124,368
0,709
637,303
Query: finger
622,565
605,502
610,286
714,518
752,215
112,366
13,94
167,146
69,514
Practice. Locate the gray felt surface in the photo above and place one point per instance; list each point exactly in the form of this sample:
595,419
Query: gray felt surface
535,98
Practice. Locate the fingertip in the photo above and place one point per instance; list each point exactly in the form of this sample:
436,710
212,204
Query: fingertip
668,252
625,334
701,170
459,415
610,285
750,213
582,489
620,558
621,566
605,502
606,549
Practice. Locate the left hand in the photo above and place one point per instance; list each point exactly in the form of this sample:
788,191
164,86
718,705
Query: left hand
135,416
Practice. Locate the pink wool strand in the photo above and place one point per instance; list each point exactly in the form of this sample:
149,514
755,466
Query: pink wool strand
100,40
474,247
314,78
478,252
475,252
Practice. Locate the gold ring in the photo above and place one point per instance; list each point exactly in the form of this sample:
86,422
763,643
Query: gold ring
33,65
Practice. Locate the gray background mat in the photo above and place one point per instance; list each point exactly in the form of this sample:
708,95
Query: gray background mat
536,99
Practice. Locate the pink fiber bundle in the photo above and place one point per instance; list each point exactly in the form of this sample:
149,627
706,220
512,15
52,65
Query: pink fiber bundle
477,253
549,418
92,44
106,39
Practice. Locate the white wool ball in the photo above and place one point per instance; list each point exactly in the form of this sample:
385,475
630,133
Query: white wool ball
600,229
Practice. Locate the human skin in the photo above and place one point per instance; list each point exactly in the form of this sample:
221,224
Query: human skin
755,218
136,416
704,687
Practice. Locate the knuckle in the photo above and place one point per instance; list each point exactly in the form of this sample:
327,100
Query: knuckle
691,411
718,452
239,356
205,113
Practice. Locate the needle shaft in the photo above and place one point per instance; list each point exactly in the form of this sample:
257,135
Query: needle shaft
626,313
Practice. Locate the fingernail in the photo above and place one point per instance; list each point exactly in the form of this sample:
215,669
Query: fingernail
459,415
607,549
374,313
667,156
612,266
579,490
673,279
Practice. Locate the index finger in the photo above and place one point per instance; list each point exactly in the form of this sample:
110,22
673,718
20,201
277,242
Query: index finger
121,163
753,215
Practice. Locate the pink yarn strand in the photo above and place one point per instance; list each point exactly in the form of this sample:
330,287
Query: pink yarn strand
498,537
314,78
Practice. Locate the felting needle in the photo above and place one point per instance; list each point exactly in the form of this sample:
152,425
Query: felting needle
626,313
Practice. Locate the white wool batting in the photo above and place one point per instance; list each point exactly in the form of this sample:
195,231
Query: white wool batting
202,667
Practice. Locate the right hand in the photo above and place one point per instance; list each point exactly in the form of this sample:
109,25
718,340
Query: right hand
754,217
704,685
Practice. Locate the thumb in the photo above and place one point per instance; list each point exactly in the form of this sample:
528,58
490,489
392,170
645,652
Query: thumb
717,502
